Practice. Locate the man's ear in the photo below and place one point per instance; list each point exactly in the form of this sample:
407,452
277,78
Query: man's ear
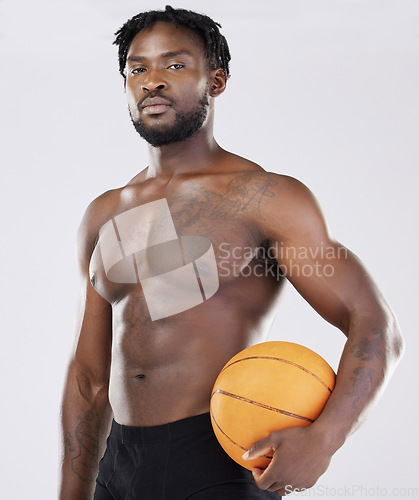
218,82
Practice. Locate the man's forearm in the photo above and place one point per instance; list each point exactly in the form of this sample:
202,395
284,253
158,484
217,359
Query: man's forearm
367,363
86,417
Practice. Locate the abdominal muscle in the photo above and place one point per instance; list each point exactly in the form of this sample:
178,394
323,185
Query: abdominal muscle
164,371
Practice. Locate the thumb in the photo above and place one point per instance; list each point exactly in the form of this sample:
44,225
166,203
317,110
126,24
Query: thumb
265,446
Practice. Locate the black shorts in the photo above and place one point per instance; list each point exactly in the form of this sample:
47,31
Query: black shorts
176,461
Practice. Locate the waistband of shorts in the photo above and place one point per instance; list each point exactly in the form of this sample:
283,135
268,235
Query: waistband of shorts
185,427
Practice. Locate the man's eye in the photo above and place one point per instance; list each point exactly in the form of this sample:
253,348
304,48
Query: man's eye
176,66
136,71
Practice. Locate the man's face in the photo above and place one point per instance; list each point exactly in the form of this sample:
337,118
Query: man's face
167,83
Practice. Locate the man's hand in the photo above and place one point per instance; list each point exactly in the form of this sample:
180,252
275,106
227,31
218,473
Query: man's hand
301,456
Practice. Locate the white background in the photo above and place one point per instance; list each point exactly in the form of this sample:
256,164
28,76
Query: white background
323,90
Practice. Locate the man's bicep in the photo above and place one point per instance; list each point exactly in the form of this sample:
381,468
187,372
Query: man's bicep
334,283
93,334
328,275
93,325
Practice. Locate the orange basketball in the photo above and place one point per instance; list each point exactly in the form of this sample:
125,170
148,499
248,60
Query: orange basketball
267,387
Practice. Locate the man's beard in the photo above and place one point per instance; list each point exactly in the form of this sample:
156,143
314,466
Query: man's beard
186,124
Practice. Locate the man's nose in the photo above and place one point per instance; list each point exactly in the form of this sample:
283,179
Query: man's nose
153,81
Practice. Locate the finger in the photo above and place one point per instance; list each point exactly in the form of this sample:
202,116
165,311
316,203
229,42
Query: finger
260,449
278,488
264,480
257,473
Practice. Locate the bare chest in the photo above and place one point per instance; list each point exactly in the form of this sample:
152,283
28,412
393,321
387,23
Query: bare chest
176,247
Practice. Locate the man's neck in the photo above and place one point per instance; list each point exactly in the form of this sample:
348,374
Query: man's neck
197,153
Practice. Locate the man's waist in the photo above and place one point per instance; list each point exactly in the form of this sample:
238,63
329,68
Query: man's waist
171,430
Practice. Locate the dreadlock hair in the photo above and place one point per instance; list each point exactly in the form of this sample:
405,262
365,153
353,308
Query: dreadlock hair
216,48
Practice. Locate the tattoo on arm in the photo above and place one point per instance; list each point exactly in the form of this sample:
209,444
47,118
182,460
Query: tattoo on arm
86,443
68,442
362,381
368,349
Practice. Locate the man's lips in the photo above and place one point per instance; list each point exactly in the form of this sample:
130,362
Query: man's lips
155,109
154,105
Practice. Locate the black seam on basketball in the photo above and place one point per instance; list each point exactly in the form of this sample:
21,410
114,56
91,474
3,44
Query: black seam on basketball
229,438
262,405
284,361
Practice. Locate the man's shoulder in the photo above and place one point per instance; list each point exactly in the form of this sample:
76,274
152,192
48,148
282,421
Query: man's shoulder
102,207
282,186
276,187
99,211
268,198
284,182
239,166
271,190
247,168
289,204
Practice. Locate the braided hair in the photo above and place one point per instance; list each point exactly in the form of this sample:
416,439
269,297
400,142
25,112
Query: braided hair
216,48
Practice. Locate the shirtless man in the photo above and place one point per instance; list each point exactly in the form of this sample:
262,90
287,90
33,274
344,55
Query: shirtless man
165,302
